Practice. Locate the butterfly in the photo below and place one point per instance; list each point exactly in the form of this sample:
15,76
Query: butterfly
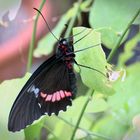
50,89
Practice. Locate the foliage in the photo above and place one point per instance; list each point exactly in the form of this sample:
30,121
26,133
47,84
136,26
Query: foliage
107,110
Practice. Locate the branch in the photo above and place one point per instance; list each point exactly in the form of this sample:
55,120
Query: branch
114,50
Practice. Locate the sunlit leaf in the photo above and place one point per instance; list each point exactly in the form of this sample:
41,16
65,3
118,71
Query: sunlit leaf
94,58
8,92
109,127
127,98
112,17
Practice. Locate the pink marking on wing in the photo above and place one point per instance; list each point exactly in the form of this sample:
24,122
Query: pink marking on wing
61,92
53,97
67,93
43,95
48,98
58,98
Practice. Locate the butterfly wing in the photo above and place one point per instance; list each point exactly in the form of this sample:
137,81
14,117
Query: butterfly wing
59,93
49,90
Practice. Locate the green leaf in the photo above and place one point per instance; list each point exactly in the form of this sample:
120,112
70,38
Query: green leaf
125,103
93,57
112,17
95,105
110,127
33,131
123,106
73,112
128,50
8,92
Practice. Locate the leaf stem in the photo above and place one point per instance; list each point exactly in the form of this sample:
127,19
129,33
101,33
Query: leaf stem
81,115
32,43
84,130
113,51
72,21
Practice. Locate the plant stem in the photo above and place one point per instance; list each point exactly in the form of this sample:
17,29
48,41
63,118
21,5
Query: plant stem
109,59
84,130
81,115
72,21
113,51
32,43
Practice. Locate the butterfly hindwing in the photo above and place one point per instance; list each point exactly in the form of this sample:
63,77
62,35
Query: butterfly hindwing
49,90
59,92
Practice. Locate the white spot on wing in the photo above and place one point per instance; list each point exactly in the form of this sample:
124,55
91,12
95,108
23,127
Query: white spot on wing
36,91
46,113
39,105
33,89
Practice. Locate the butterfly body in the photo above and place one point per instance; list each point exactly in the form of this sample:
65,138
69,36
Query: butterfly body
49,90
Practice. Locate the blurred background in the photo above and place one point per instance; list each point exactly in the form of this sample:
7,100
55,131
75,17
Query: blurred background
16,27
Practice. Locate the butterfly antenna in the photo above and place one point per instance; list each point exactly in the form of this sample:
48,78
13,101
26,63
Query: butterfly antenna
46,23
83,37
70,37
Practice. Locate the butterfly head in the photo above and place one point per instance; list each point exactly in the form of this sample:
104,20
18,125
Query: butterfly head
63,42
65,46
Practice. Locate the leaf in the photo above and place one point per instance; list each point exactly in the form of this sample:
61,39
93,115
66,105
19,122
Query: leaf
123,106
125,103
49,39
9,6
94,58
33,131
109,127
112,17
95,105
8,91
128,50
72,114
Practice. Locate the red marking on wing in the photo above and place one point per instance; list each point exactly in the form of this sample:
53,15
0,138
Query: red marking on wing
43,95
61,92
68,93
49,97
56,96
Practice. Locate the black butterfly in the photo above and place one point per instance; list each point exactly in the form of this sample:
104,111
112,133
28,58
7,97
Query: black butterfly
50,89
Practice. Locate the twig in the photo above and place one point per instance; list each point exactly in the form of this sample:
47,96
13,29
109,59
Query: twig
84,130
81,115
32,44
72,21
113,51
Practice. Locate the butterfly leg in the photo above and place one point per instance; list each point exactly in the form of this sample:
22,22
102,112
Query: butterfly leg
80,65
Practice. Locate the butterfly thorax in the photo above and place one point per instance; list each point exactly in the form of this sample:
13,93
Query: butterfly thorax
66,51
